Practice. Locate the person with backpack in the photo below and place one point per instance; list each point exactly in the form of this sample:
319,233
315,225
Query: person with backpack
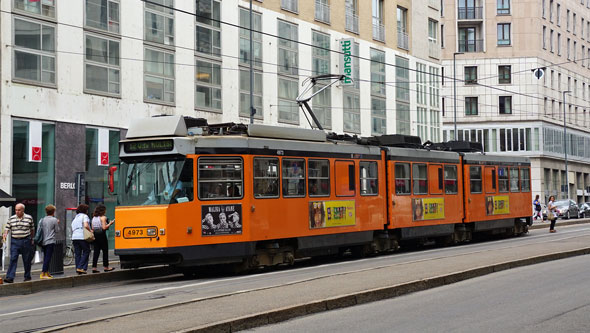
48,227
537,206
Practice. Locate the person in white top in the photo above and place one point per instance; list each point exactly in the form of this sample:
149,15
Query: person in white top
81,247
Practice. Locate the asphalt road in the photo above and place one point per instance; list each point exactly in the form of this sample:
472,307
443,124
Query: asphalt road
52,308
548,297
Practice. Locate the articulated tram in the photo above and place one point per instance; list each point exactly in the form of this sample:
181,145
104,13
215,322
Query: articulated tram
194,194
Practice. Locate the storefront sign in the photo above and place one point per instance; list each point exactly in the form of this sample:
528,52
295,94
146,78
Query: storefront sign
67,186
219,220
428,209
35,141
346,45
325,214
499,204
103,147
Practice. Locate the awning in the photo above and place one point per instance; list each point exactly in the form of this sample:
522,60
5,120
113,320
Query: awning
6,199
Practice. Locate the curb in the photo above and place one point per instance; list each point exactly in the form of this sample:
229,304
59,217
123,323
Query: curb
31,287
373,295
543,225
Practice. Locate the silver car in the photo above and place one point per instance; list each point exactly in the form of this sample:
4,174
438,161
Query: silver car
567,209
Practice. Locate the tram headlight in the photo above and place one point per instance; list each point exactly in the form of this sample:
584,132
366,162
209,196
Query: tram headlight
152,231
162,232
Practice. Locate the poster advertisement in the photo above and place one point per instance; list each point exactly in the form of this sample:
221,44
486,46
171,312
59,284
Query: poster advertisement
219,220
428,209
498,204
326,214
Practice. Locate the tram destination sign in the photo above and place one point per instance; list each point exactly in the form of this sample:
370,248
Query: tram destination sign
149,146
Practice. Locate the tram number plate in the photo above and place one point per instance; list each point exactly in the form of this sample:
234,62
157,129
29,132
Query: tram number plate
137,232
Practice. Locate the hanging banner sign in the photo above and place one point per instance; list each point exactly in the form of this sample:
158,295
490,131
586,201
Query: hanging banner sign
35,141
346,60
103,147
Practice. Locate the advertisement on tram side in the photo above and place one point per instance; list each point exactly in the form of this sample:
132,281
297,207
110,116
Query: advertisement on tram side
497,204
221,220
326,214
428,209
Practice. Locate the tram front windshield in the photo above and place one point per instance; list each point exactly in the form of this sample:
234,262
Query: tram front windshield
150,182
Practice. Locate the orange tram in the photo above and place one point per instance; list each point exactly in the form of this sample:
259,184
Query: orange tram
194,194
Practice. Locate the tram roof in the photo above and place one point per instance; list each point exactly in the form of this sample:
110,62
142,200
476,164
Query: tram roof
479,158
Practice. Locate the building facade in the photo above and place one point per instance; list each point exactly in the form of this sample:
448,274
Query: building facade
75,73
522,71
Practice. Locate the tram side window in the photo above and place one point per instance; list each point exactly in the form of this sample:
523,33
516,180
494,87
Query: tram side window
502,179
368,178
450,179
402,178
318,172
475,179
420,178
266,177
185,180
220,178
525,180
293,177
514,180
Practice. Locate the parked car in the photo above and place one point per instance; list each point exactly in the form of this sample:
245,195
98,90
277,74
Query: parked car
567,209
584,209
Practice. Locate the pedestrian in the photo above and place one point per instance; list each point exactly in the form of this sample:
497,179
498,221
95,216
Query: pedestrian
48,225
22,229
100,225
537,206
81,246
552,213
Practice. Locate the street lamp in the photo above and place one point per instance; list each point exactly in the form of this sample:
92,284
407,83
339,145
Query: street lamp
567,184
455,90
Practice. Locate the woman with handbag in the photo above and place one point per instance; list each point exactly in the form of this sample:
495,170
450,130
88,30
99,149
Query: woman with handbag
81,236
100,225
552,213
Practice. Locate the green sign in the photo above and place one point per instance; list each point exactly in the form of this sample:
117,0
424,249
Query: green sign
346,60
149,146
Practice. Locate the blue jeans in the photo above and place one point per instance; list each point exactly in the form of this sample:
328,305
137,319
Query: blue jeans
24,248
47,254
81,253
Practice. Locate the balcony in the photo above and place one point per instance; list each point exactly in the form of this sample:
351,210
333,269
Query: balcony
322,12
352,23
471,45
378,30
470,13
403,40
290,5
433,49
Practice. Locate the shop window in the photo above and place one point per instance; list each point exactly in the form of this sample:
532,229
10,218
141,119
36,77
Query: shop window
420,179
318,178
220,178
368,174
450,179
402,178
293,177
475,179
266,177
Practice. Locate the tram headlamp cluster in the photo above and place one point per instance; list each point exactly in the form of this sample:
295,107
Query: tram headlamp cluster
152,231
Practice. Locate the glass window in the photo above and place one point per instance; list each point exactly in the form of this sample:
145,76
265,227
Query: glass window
402,178
288,48
505,105
318,177
288,108
420,178
504,74
525,180
159,22
34,51
378,116
33,183
369,178
208,32
402,77
245,38
377,73
103,15
352,112
44,7
256,93
475,179
159,76
451,179
208,85
503,7
293,171
220,178
502,179
514,183
266,177
470,74
102,65
471,106
402,118
504,34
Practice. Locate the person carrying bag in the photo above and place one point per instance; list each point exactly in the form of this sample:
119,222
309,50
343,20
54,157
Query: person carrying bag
551,213
81,236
